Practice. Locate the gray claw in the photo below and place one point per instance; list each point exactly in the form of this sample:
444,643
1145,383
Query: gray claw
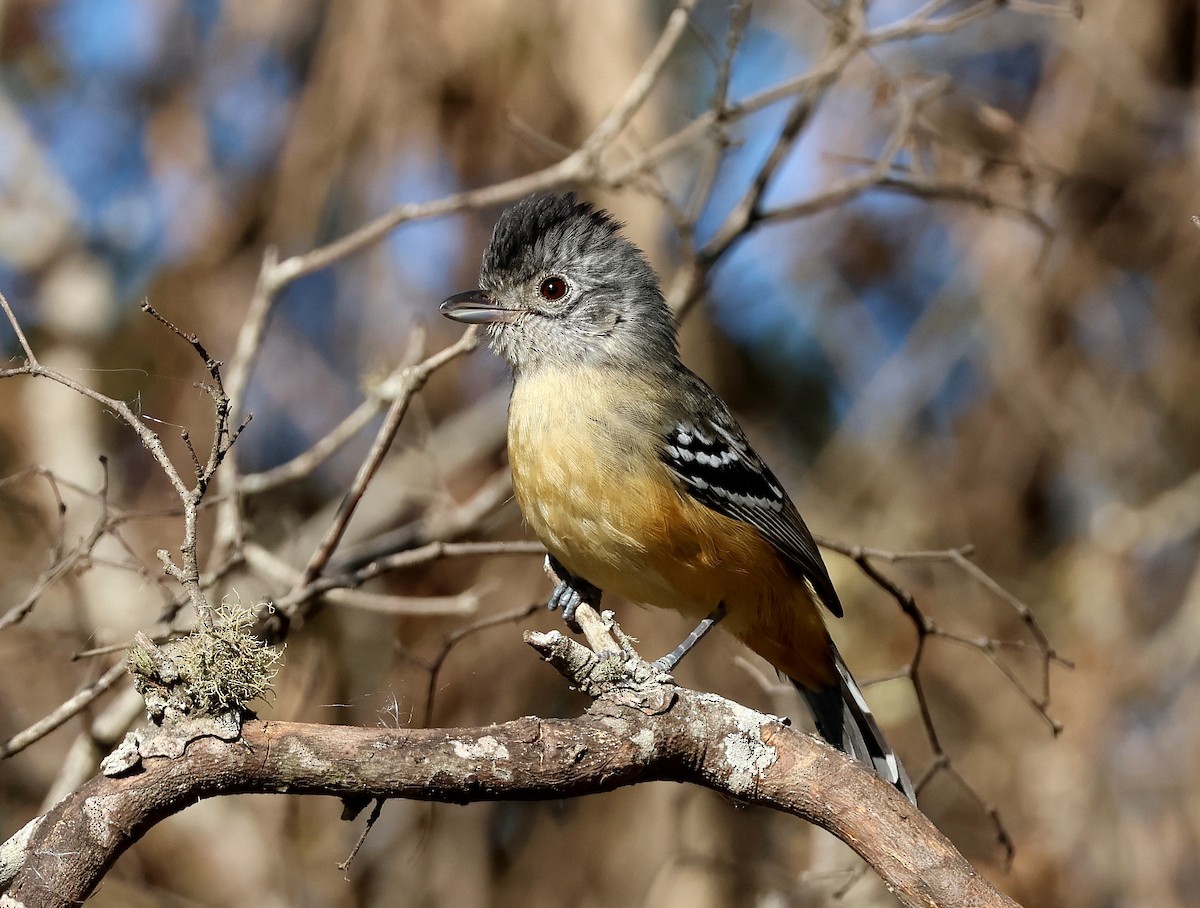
566,597
569,593
570,605
561,597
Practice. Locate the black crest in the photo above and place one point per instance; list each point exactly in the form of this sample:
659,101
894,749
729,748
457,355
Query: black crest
522,225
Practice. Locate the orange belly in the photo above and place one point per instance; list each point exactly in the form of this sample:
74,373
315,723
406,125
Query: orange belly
610,511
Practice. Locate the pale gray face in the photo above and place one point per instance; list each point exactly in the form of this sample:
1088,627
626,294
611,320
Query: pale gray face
560,285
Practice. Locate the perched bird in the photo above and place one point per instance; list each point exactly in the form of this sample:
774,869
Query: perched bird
634,473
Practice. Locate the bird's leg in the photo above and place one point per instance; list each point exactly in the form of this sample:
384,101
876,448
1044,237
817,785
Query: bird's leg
670,660
570,592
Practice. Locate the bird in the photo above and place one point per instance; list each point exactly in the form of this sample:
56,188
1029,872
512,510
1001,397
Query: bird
635,474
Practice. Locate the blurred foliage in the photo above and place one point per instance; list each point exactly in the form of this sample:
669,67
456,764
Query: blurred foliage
921,373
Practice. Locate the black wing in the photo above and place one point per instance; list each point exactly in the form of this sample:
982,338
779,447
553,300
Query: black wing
716,465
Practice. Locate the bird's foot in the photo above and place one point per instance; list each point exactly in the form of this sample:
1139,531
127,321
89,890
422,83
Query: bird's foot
570,592
567,598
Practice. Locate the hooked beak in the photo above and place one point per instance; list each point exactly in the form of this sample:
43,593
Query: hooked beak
475,307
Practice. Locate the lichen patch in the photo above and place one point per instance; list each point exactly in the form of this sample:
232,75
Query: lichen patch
644,741
486,748
747,754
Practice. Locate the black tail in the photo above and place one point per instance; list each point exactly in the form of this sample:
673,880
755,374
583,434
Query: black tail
845,721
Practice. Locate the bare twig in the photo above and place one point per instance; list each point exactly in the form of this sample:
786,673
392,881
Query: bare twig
339,588
376,810
68,710
303,464
187,573
435,525
639,89
414,379
62,564
31,359
928,629
739,20
425,554
434,668
583,164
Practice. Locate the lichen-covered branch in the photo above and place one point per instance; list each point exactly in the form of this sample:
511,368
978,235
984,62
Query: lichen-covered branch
641,727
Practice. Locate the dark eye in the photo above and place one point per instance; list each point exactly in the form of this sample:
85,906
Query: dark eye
553,289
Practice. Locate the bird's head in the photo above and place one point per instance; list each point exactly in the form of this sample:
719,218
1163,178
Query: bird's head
561,286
